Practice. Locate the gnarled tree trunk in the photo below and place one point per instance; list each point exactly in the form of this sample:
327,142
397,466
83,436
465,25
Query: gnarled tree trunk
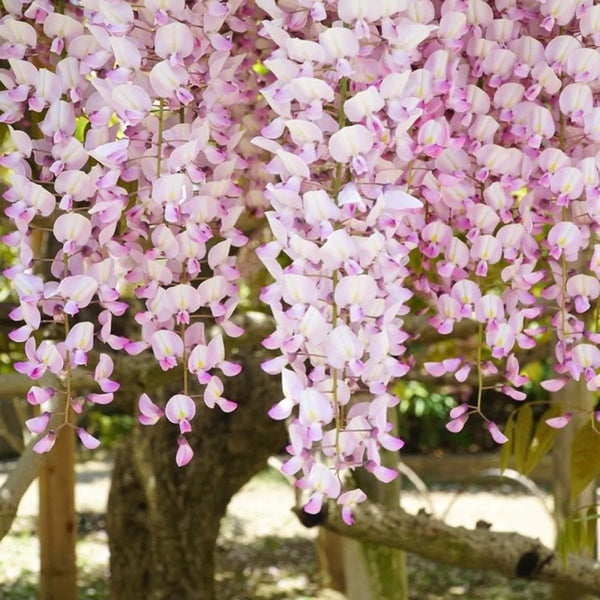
163,521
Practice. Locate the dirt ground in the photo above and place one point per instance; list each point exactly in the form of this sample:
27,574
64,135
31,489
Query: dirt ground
265,553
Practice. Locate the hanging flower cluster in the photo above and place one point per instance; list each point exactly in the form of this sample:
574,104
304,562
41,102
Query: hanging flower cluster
126,153
434,157
426,160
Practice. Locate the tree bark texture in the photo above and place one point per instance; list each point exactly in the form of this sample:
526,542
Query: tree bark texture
163,521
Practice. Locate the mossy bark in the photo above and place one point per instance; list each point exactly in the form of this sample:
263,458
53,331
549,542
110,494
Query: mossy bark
372,570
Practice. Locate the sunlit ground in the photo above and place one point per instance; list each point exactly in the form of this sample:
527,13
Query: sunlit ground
264,553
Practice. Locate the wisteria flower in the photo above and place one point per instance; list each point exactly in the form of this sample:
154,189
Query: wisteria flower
181,409
150,413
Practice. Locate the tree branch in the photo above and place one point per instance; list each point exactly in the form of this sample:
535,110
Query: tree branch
24,471
512,554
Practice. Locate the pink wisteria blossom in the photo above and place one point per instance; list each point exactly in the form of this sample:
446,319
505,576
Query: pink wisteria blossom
420,162
167,347
181,409
150,413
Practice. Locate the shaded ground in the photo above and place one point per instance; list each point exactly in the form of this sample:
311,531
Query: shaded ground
265,554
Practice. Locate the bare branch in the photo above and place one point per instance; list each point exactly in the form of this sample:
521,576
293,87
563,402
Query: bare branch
24,471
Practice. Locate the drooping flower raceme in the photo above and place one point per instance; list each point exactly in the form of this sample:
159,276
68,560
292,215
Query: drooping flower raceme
482,138
120,137
425,168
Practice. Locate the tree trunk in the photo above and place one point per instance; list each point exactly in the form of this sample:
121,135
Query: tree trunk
361,568
374,571
575,396
163,521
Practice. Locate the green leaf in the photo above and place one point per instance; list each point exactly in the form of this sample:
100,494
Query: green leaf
82,124
523,430
590,527
506,451
585,461
573,531
543,439
419,407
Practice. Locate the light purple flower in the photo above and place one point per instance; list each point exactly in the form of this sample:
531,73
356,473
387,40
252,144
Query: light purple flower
88,440
496,434
150,413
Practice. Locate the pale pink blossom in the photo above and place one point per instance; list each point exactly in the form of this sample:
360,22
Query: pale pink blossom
131,102
350,11
88,440
358,293
564,238
78,291
181,409
339,43
38,424
150,413
315,411
45,357
363,104
576,100
448,312
323,482
59,122
496,434
348,501
213,395
80,341
501,339
351,144
583,288
38,395
167,347
559,422
174,41
184,453
489,307
102,373
73,229
45,444
554,385
567,183
344,348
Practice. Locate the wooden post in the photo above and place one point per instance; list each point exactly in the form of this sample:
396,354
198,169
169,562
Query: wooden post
58,521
